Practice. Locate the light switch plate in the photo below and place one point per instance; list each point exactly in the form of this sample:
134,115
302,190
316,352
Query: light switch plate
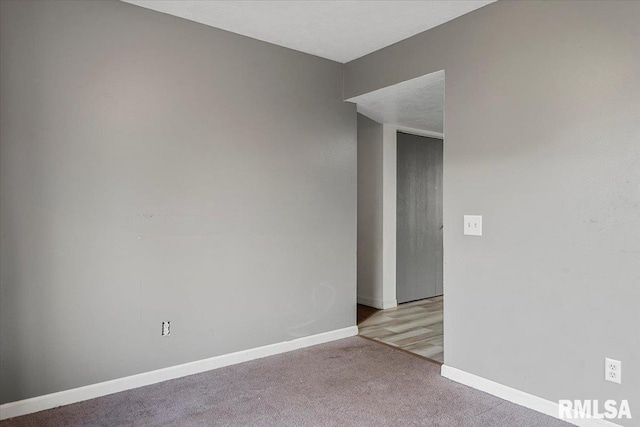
473,225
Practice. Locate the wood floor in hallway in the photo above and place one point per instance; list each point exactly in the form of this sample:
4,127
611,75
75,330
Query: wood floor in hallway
415,327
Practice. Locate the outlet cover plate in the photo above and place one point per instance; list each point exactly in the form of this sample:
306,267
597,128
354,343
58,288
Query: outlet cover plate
166,329
613,370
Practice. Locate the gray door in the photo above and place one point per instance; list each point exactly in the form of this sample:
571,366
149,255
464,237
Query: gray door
419,218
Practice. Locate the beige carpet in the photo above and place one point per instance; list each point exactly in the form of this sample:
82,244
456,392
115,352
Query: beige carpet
351,382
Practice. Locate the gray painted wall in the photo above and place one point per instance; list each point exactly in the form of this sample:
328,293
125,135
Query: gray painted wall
419,218
156,169
370,287
543,140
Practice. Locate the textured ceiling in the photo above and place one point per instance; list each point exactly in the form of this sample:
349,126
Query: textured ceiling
337,30
414,104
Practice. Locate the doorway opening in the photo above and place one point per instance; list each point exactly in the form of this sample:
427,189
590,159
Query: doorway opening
400,221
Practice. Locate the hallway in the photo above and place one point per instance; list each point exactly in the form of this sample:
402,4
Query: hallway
415,327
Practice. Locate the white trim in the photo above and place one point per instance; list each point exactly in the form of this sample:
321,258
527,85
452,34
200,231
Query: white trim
66,397
518,397
389,191
377,303
420,132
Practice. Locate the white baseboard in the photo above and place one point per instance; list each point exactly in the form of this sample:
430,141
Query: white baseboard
518,397
377,303
66,397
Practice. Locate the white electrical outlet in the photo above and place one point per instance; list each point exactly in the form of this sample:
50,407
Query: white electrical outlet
613,370
473,225
166,329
